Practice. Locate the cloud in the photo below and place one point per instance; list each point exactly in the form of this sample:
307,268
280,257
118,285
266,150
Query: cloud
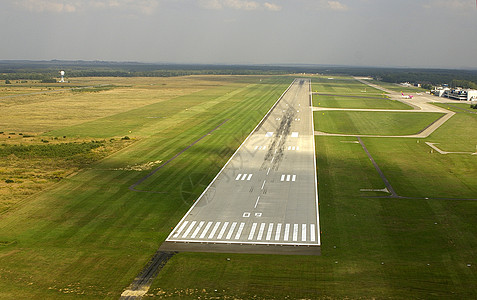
336,5
238,5
47,6
70,6
272,7
450,4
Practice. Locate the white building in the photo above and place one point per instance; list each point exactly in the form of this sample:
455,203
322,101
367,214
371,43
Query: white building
462,95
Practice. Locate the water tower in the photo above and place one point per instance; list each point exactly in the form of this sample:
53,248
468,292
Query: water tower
62,76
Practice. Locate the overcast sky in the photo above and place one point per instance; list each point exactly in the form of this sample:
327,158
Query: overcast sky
410,33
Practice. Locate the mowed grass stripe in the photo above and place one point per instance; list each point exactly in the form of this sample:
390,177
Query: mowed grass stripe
373,123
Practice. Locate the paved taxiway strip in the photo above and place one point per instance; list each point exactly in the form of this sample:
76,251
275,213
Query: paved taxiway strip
266,194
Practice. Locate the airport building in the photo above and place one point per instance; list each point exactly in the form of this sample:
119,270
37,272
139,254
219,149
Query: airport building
456,94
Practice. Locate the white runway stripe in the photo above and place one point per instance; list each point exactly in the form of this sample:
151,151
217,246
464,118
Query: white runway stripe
186,233
277,233
222,231
269,232
249,176
295,232
214,230
293,177
287,230
283,178
180,229
288,177
252,231
244,176
239,231
303,232
238,177
232,228
312,232
207,227
260,231
196,231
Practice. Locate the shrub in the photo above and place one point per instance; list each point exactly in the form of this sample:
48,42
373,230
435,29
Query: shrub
9,181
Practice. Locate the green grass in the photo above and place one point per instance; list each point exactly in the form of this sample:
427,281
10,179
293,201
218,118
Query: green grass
343,85
373,123
398,88
342,101
89,236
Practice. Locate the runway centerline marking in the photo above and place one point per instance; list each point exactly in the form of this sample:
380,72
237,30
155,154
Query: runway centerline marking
256,203
263,184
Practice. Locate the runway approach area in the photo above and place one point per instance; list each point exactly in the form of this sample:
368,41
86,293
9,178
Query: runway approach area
265,198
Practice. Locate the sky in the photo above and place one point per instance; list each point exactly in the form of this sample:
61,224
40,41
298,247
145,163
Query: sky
397,33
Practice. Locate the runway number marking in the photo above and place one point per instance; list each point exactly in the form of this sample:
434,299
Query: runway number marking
294,134
258,215
246,215
269,134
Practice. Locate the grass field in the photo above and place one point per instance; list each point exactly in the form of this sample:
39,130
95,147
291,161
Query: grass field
345,101
341,85
88,236
398,88
373,123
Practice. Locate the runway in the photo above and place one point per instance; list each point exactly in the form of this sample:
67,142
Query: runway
264,200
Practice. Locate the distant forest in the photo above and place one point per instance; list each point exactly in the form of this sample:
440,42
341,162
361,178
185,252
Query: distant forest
46,71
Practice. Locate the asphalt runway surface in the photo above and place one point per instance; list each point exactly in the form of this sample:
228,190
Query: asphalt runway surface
265,199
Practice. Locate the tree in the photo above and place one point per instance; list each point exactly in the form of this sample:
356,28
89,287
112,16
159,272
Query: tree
7,82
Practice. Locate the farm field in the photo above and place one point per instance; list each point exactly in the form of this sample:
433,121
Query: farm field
88,236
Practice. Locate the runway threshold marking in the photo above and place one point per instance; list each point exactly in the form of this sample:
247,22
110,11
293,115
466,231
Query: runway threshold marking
277,233
207,227
216,226
222,231
287,230
180,229
252,231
